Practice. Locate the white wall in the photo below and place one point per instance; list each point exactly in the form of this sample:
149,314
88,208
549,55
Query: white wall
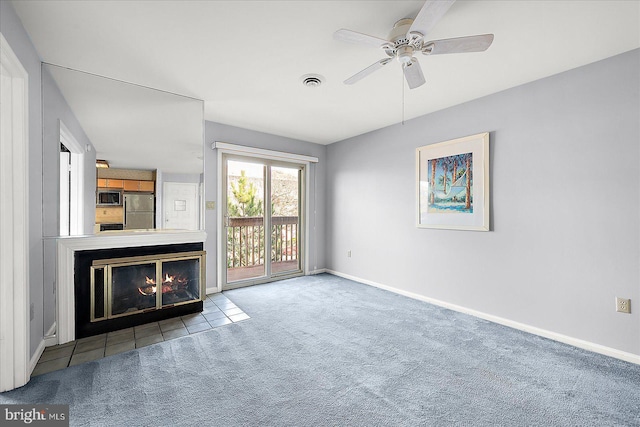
230,134
565,237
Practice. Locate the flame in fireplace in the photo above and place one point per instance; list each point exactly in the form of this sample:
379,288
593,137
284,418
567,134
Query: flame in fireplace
169,284
148,290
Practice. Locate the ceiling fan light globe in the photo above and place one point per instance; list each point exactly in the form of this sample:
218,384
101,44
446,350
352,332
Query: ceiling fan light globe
404,54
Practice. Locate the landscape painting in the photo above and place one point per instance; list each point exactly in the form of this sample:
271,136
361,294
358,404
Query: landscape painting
453,184
450,183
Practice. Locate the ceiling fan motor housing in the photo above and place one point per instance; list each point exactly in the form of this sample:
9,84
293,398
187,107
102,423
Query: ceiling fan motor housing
400,29
403,45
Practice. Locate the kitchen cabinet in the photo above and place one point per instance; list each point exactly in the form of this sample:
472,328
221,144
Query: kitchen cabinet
109,215
110,183
135,185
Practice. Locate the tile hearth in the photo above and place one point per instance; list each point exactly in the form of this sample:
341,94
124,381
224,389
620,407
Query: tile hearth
218,311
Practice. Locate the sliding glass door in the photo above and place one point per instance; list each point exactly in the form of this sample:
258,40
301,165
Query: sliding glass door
261,206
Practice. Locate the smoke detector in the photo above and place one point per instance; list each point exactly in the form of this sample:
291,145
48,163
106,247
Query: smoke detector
312,80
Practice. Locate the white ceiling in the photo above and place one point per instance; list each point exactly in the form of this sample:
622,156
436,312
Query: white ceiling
245,58
146,129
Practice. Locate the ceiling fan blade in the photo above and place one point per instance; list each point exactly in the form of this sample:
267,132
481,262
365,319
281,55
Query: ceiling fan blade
370,69
458,45
359,38
429,16
413,73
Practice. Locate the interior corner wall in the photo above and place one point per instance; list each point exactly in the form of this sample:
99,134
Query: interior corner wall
54,110
216,132
564,176
13,31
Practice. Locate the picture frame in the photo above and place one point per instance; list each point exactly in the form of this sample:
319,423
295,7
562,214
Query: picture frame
452,184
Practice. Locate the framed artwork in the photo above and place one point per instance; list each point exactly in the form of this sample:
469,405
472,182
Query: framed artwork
453,184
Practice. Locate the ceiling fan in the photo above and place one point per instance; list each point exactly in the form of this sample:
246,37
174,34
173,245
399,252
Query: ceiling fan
407,39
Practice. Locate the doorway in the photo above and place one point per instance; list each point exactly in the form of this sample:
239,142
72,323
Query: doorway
71,184
262,204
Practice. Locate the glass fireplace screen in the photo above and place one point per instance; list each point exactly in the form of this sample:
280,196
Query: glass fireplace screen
125,286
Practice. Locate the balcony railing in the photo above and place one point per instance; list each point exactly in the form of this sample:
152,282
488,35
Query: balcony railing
245,245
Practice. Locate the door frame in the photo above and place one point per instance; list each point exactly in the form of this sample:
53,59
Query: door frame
268,276
15,363
223,148
76,193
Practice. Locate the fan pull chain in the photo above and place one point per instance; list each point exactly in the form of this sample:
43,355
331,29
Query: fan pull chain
402,83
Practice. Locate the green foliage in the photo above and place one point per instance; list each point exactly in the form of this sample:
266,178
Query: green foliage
245,244
442,179
244,203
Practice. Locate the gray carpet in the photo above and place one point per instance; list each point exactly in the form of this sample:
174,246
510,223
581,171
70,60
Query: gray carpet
325,351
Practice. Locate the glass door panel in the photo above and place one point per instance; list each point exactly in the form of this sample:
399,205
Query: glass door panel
244,220
180,281
132,288
262,220
285,219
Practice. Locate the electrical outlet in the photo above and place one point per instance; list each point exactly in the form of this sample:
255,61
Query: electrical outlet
348,254
623,305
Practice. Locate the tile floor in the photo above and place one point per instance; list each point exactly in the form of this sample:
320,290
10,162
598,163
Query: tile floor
218,311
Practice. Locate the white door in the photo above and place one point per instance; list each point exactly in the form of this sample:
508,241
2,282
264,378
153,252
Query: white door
180,205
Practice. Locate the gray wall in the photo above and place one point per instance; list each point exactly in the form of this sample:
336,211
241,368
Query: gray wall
11,28
182,177
223,133
41,252
54,109
565,237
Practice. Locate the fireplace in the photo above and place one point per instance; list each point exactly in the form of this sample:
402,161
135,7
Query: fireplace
133,285
124,287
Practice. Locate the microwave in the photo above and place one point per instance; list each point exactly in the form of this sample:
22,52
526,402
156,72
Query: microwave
109,198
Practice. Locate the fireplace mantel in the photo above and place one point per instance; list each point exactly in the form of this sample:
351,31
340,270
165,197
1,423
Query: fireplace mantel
67,247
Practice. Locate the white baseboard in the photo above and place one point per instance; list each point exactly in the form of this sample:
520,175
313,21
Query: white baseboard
50,341
210,291
36,356
51,331
50,338
586,345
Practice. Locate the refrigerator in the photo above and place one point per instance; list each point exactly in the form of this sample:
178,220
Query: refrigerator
139,211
